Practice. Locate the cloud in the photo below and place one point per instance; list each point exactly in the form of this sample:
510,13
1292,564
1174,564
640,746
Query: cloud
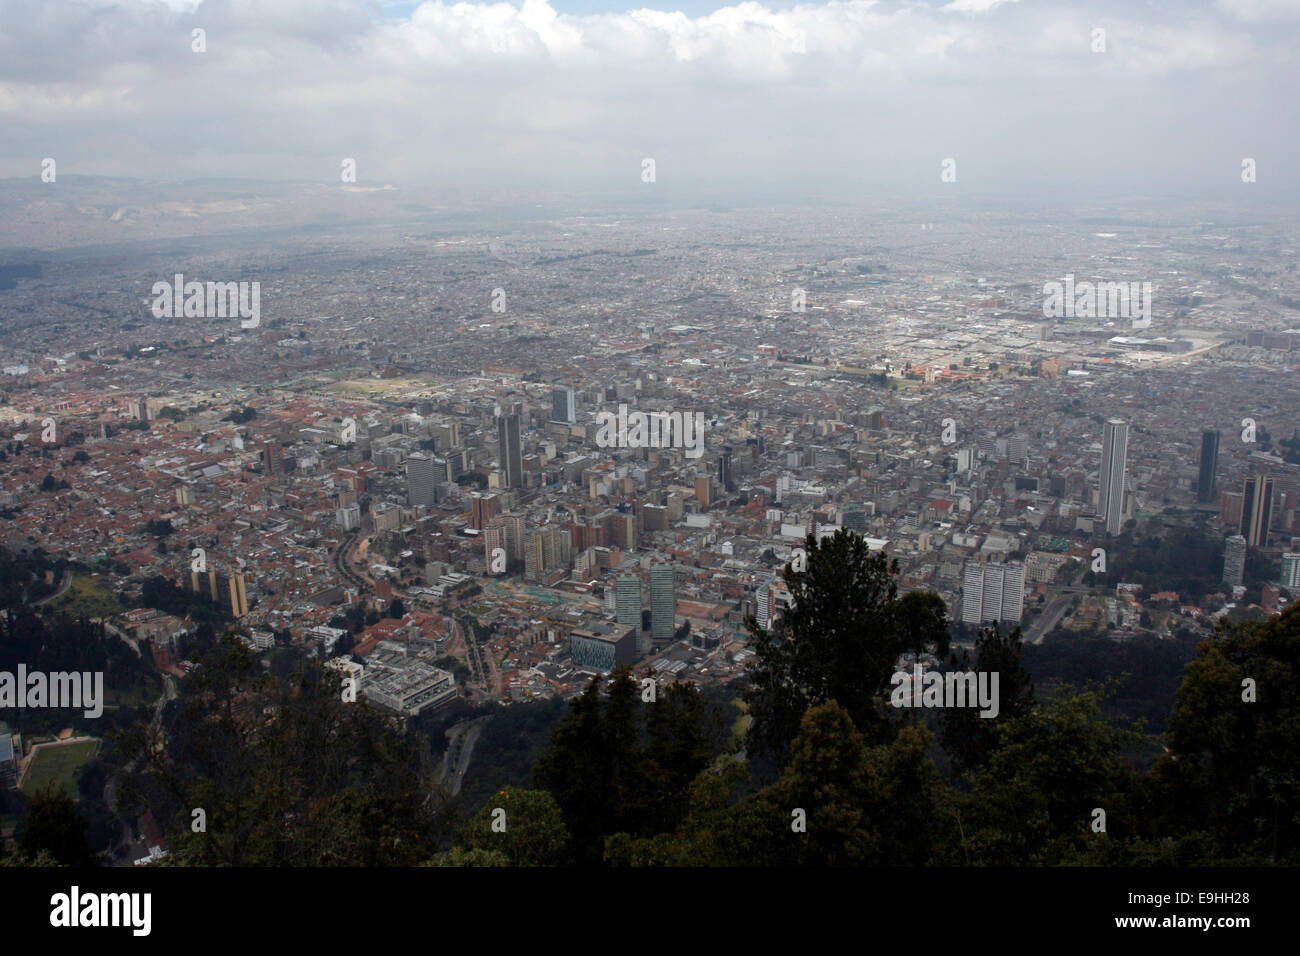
844,91
1260,10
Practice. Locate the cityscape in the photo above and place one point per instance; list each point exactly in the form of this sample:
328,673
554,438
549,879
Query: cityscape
517,525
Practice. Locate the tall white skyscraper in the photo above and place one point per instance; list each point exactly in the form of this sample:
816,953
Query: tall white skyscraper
972,593
992,592
991,608
1291,572
1013,592
1114,460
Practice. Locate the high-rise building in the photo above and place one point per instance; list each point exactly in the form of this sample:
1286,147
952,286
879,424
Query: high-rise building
725,481
482,509
972,593
514,527
991,606
1018,448
1230,509
1234,560
663,603
1013,592
349,517
563,407
1209,467
771,599
545,549
628,600
992,592
271,458
1256,509
420,480
494,537
703,491
1114,455
1291,572
511,453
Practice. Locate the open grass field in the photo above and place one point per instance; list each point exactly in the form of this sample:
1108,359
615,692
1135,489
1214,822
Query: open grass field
87,597
62,763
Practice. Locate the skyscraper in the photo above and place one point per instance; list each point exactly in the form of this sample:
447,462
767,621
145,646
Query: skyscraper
1257,509
563,407
1114,455
992,592
1291,572
725,482
271,458
627,601
349,517
238,598
972,593
1013,592
1209,467
663,603
1234,560
420,480
512,455
482,509
771,598
703,491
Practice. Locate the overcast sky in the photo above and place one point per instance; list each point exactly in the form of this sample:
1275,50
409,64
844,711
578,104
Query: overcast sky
574,94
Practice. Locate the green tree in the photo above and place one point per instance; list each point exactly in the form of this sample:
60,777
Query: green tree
53,825
839,640
286,772
576,771
968,737
1237,758
530,832
827,779
1034,803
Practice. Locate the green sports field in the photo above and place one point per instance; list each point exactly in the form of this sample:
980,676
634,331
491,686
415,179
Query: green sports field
62,763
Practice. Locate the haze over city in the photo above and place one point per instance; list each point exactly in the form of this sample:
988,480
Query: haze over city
585,436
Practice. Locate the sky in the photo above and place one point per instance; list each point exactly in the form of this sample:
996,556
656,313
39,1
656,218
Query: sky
855,96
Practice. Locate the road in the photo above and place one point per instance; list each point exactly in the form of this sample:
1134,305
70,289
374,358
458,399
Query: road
128,848
1050,617
58,592
466,734
1061,601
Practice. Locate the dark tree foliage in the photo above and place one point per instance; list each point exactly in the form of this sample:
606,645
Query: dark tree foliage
1152,670
508,748
165,595
286,772
839,641
1233,769
968,737
618,764
53,825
